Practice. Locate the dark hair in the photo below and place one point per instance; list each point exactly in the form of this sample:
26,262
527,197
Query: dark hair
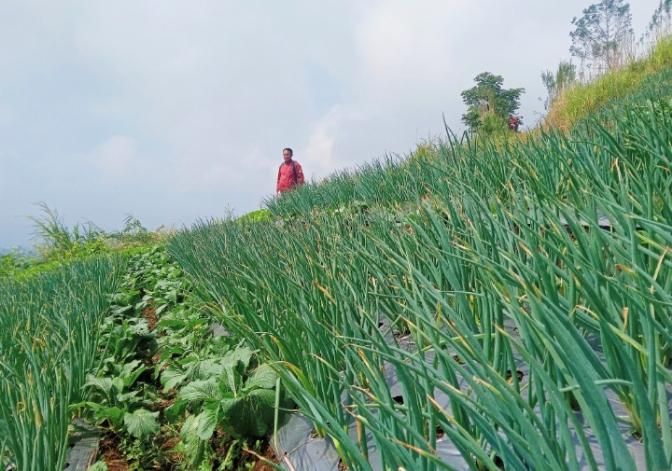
289,149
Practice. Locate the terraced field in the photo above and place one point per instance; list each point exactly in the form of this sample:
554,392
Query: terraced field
547,255
482,304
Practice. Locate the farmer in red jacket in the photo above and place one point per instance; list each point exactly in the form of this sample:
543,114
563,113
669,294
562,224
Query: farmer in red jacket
290,173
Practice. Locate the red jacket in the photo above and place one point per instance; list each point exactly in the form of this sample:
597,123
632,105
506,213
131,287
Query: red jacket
286,177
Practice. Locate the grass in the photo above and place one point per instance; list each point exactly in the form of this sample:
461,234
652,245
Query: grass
58,245
580,100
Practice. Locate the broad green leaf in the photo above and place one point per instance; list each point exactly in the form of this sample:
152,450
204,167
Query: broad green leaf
128,367
141,328
170,323
104,384
142,423
232,379
175,411
130,397
206,368
171,377
93,405
117,385
263,377
114,415
251,415
79,405
208,420
130,374
240,354
201,391
99,466
171,296
192,443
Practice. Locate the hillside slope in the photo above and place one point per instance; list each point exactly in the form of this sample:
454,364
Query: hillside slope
545,256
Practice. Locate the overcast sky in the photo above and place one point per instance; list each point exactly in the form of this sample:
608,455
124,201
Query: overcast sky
170,110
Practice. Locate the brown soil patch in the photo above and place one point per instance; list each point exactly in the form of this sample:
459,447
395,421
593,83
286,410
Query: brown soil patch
269,454
519,374
114,459
166,402
149,313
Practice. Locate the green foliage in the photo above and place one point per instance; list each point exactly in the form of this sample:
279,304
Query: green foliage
240,402
488,254
13,263
234,395
601,31
141,423
560,81
649,76
99,466
58,244
659,21
113,399
156,378
260,215
490,105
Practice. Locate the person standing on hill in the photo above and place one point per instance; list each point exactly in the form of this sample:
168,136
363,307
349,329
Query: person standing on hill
290,173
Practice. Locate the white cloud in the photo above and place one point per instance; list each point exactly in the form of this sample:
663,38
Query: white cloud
115,157
399,40
319,151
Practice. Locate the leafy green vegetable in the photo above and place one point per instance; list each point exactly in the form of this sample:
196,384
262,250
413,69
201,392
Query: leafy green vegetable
141,423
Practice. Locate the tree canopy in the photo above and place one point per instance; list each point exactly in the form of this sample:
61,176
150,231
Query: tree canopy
599,33
489,104
660,20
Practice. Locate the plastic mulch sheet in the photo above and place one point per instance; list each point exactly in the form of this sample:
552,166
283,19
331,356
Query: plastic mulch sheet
83,447
299,450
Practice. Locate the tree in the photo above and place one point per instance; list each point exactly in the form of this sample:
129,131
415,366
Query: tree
490,105
603,28
556,83
660,20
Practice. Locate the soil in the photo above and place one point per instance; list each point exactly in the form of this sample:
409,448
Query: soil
165,403
400,335
498,462
114,459
269,454
519,374
637,435
149,313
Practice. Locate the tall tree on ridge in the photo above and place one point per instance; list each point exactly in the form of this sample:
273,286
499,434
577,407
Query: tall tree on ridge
660,20
599,33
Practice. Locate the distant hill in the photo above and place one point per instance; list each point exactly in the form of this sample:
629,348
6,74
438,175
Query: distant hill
18,249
